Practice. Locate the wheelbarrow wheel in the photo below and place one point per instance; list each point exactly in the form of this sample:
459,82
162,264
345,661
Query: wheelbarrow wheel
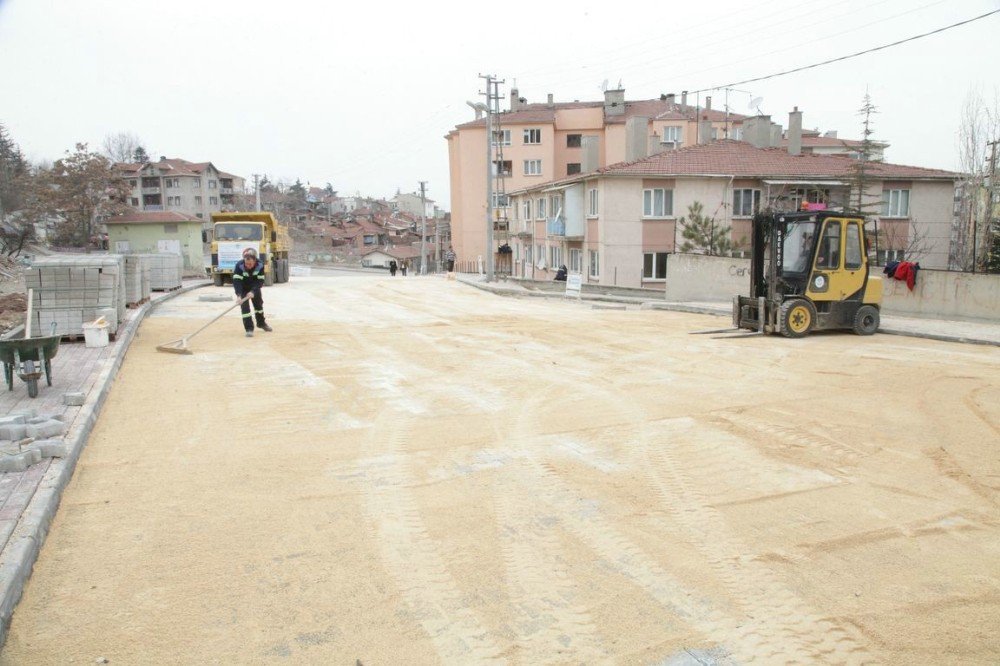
32,388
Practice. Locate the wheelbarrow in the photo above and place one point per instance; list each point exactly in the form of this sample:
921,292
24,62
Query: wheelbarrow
29,357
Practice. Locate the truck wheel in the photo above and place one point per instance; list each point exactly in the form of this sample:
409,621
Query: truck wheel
866,320
797,318
217,279
269,274
284,270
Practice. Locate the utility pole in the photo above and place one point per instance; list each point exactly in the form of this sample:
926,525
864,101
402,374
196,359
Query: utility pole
423,228
490,94
990,193
256,191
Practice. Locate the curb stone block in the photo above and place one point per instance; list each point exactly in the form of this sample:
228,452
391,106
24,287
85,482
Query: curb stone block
12,420
74,399
50,448
13,432
25,415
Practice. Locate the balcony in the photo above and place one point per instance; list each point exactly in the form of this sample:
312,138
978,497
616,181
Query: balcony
153,207
150,190
225,190
555,226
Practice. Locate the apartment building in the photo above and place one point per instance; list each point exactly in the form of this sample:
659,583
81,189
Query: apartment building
192,188
411,203
619,224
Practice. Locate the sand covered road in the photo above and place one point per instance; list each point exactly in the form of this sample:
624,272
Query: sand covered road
414,471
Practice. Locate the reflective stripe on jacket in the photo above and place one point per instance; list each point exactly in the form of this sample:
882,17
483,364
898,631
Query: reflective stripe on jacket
246,280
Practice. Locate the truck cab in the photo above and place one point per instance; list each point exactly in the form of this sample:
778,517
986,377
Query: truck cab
235,232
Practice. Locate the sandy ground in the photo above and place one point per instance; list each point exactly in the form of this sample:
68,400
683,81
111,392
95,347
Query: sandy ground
414,471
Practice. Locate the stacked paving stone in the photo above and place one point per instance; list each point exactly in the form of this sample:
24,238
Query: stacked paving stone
137,282
165,271
73,290
26,438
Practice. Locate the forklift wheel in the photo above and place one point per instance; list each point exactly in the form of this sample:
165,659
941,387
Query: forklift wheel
866,320
798,316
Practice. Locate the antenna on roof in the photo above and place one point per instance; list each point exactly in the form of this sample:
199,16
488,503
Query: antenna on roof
755,104
604,85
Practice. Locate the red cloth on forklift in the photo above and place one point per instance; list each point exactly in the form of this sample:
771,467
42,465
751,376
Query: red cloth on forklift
907,270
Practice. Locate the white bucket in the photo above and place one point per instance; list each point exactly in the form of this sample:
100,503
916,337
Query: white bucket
96,335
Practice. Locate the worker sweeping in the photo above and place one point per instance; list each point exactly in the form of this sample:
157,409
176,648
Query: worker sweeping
248,278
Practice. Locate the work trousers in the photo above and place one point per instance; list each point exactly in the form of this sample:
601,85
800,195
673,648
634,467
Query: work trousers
258,310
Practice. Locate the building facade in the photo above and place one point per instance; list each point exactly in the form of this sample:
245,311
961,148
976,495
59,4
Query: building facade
193,188
158,232
618,225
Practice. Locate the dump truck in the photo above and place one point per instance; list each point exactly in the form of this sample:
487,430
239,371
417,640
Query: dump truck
235,232
809,272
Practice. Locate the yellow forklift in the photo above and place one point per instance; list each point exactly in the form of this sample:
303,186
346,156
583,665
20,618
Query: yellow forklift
809,272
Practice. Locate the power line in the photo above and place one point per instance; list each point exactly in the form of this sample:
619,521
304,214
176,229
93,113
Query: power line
847,57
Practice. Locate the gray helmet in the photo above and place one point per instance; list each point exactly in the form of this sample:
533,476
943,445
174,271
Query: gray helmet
249,252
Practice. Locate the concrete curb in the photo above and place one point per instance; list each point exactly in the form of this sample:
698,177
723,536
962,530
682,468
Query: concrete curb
18,558
695,309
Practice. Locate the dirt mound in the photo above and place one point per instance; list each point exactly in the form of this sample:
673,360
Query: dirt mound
12,309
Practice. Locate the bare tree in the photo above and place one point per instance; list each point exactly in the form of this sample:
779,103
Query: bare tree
123,147
980,124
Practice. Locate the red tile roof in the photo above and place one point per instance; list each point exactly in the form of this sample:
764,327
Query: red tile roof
152,217
656,109
738,158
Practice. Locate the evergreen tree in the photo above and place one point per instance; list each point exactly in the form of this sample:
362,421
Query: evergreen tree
861,170
702,234
140,156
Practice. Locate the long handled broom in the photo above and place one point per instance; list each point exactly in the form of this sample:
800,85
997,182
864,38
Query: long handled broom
181,346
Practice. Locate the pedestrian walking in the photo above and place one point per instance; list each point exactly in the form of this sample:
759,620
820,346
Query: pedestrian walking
449,258
248,278
403,265
392,267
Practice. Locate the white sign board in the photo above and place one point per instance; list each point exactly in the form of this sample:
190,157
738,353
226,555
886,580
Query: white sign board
574,283
170,246
122,247
231,252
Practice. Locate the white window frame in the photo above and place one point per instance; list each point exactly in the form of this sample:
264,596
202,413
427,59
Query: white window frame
197,200
740,206
526,209
532,167
895,203
196,182
555,256
503,135
213,201
649,207
672,134
653,277
501,200
593,201
576,260
532,136
211,184
540,209
594,260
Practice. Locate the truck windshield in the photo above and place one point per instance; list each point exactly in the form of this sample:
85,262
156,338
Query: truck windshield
798,247
239,232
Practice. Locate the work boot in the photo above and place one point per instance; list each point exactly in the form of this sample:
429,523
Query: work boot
249,334
266,327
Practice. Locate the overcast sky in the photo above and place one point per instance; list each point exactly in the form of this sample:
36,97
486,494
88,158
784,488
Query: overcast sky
361,95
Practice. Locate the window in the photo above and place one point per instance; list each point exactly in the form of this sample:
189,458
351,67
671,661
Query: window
654,266
170,228
540,252
133,182
173,201
501,137
532,167
555,204
196,182
211,184
736,133
503,168
595,264
134,201
573,140
197,201
540,209
576,261
895,203
213,201
745,202
173,182
526,209
555,256
671,134
369,239
572,168
889,255
657,202
829,247
532,136
592,203
199,215
852,257
500,200
150,182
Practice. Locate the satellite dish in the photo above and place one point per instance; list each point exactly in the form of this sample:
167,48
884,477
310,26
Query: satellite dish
604,85
755,103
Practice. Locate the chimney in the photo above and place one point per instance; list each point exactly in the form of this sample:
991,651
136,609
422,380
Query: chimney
514,100
636,138
832,134
671,99
704,130
654,144
684,101
757,131
776,134
708,103
795,132
549,103
163,158
591,153
614,103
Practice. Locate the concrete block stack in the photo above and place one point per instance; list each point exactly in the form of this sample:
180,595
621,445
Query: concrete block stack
72,290
165,271
137,282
